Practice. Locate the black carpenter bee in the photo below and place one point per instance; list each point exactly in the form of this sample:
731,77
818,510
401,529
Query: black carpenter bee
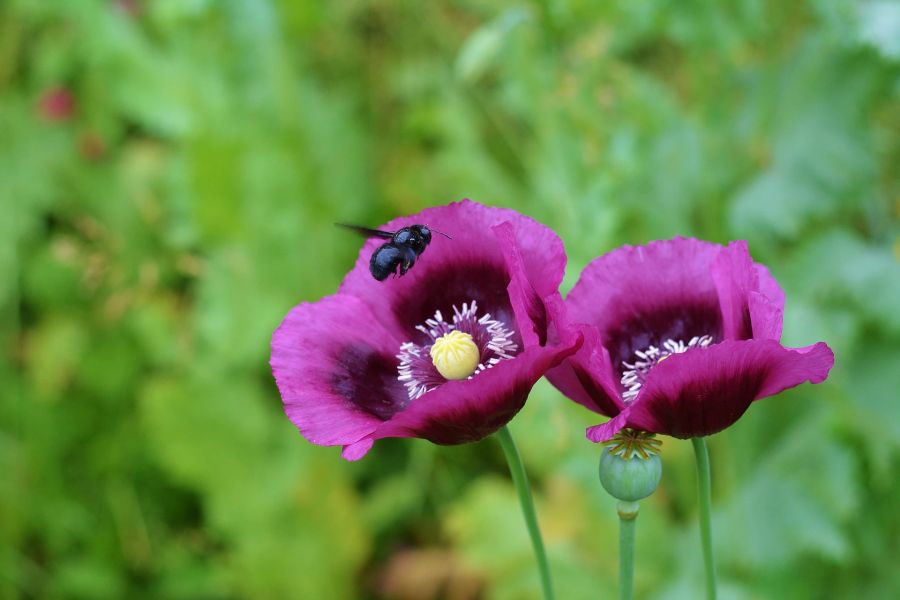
398,254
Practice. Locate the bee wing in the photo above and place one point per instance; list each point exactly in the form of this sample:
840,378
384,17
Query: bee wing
367,232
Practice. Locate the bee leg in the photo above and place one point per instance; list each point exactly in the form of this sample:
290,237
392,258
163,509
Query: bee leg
409,259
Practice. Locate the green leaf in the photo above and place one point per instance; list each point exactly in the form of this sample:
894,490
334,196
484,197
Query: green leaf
483,48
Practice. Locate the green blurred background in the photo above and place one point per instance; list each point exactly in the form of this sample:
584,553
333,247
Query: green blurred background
169,174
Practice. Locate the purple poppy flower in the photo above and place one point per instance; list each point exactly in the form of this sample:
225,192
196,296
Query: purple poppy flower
447,352
680,337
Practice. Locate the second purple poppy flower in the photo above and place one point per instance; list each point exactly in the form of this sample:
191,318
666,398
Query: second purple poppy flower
681,336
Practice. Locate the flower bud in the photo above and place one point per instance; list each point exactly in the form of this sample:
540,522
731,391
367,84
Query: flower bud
630,467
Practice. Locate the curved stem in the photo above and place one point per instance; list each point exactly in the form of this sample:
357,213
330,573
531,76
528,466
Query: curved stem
520,480
628,512
702,457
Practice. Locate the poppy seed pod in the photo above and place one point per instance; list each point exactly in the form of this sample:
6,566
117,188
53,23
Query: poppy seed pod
630,467
629,479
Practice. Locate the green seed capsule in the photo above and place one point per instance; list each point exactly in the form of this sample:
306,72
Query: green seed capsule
629,479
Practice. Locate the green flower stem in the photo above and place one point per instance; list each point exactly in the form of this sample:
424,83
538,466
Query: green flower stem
520,480
702,456
548,20
628,512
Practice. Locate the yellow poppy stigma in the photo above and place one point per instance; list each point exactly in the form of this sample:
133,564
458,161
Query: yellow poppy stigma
455,355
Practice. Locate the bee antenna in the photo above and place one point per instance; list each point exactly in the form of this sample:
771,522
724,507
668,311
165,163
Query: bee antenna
441,232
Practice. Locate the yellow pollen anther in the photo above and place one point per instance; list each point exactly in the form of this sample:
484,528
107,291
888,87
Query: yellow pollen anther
455,355
663,358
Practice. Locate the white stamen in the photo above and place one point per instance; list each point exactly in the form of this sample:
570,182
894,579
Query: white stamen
494,339
635,373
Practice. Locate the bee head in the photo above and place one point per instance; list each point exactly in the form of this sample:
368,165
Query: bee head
412,237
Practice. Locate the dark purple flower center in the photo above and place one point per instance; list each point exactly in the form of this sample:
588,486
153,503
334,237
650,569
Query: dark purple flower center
492,338
363,376
466,280
374,381
641,342
635,373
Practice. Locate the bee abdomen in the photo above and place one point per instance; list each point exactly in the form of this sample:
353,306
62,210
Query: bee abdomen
384,261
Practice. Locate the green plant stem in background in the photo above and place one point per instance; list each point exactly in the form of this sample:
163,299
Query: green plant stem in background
705,496
628,512
520,480
548,21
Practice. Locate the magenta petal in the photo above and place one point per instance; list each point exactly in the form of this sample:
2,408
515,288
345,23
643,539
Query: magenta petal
751,300
735,277
529,308
769,287
606,431
705,390
588,377
471,266
469,410
766,316
358,450
810,363
335,367
642,295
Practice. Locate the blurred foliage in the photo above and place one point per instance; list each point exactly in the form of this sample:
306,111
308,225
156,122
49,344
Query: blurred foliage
169,174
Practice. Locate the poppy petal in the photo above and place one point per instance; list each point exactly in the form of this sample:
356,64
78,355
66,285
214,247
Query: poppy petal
704,390
766,317
588,378
469,410
357,450
531,313
335,367
769,287
639,296
735,277
470,266
751,301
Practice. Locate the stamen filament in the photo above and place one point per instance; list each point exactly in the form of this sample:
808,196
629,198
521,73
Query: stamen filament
492,339
635,373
